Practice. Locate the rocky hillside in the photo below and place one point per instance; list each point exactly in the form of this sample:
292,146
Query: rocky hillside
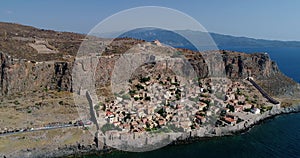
34,59
18,75
262,69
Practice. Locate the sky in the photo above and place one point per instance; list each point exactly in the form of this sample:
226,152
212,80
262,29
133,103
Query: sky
264,19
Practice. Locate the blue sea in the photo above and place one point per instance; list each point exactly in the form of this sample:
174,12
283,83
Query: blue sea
274,138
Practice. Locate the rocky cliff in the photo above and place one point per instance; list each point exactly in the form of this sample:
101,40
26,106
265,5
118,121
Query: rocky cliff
18,75
24,75
22,68
262,69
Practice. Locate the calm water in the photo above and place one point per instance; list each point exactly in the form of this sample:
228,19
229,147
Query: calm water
278,137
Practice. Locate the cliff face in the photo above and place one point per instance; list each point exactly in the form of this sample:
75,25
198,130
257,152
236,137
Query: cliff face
21,75
233,65
262,69
18,75
239,65
26,68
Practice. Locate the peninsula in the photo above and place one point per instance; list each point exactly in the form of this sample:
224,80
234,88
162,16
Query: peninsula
133,95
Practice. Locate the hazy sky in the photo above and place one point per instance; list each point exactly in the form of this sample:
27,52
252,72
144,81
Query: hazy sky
268,19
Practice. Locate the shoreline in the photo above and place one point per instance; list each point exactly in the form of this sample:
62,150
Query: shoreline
193,139
79,150
243,131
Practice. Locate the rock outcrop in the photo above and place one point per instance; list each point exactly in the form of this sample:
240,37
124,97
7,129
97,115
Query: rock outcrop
24,75
18,75
22,68
264,71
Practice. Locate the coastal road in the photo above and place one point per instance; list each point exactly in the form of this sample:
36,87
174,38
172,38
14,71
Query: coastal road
41,129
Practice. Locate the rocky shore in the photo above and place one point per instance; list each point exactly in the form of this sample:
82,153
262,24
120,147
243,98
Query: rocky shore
247,125
80,150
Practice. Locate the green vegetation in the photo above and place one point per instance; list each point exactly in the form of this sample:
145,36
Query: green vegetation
219,95
150,129
148,98
158,130
176,84
16,102
177,54
254,101
121,92
178,91
230,107
160,111
132,92
97,107
201,114
144,79
239,120
247,110
241,103
193,99
169,79
266,108
126,96
158,77
162,83
207,102
109,127
165,130
139,87
178,97
46,89
247,98
239,92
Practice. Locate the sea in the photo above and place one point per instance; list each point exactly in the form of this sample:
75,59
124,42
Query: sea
278,137
274,138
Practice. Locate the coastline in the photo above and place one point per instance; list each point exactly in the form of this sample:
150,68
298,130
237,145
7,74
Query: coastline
82,150
22,104
271,115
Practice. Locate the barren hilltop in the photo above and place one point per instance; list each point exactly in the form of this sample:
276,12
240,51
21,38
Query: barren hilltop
37,89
